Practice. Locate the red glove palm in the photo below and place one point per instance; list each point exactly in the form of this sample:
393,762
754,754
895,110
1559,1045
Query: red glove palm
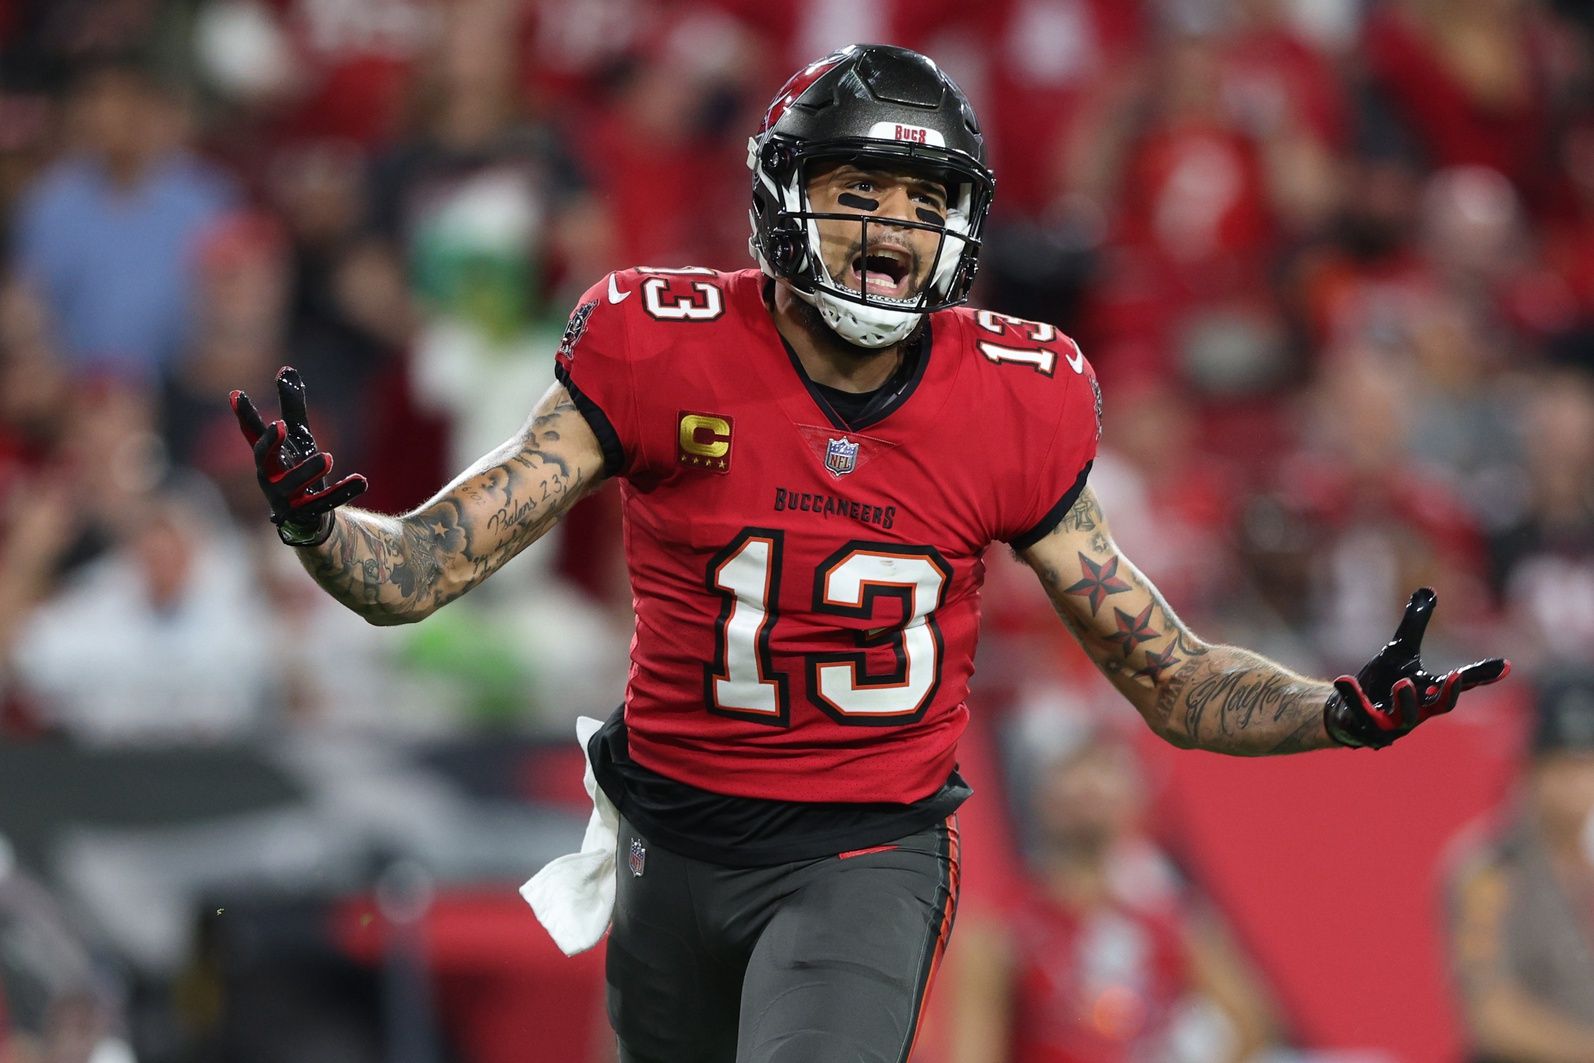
291,469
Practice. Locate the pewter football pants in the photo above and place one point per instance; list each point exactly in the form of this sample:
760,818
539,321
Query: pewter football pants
818,961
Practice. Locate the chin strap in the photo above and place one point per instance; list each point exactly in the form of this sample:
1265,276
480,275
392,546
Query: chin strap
866,326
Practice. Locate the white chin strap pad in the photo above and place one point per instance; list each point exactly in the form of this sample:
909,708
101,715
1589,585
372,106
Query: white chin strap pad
866,326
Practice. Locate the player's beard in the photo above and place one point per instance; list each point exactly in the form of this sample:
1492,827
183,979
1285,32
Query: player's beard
917,276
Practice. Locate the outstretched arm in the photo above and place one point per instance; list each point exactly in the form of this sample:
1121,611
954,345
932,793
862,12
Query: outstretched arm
397,570
1225,699
1192,693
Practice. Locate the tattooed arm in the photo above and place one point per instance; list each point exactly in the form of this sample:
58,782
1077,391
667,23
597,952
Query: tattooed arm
1193,693
397,570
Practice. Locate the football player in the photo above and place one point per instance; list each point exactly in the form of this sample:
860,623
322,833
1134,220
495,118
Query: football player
812,457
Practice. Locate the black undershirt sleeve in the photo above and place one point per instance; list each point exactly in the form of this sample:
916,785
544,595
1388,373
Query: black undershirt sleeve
608,438
1055,515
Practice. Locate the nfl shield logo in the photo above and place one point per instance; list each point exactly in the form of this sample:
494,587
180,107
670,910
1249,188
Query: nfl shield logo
639,858
841,456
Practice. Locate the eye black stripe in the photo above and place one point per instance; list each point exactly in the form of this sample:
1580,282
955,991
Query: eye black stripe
857,202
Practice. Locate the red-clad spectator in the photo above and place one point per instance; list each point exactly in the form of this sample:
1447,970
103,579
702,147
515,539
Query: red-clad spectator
675,133
1544,554
34,510
1193,224
1364,281
1378,521
1460,425
1278,78
245,330
1402,249
569,47
1047,58
317,69
1287,92
1470,80
1477,239
800,31
1569,241
1103,957
33,385
1194,188
1157,468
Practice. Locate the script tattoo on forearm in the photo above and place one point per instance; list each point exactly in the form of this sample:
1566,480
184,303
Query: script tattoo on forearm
390,569
1235,701
1194,694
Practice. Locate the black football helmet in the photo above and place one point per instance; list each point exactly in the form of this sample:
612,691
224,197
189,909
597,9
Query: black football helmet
885,106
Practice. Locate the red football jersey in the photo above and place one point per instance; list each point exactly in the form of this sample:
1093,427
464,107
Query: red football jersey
1097,987
807,594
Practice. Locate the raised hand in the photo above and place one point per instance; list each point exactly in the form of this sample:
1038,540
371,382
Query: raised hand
291,469
1393,693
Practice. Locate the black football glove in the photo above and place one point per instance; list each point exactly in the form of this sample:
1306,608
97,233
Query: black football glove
291,469
1393,693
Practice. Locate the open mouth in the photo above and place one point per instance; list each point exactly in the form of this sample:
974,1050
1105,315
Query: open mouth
884,271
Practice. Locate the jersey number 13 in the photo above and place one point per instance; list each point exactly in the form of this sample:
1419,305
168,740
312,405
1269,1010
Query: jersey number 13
742,680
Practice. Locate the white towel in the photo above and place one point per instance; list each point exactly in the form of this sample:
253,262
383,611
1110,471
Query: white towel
573,895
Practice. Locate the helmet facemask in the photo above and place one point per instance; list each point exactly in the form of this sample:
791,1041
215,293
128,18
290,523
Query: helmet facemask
787,240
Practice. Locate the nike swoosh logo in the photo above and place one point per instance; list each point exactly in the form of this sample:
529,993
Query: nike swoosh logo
615,294
1076,358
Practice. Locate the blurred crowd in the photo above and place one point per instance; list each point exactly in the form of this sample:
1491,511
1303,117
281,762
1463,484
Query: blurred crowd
1333,262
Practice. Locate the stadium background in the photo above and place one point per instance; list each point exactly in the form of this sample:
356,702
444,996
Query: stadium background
1333,261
